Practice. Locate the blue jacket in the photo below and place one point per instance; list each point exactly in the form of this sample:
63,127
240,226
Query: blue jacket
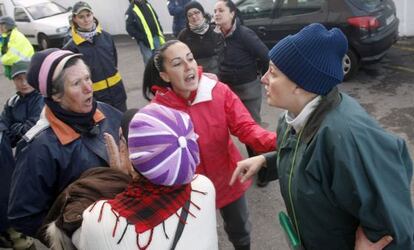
176,9
20,113
46,166
6,170
102,58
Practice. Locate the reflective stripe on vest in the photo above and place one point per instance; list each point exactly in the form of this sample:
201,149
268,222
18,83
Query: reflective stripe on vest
107,83
147,30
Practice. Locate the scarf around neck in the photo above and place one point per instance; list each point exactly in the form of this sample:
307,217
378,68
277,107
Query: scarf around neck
200,29
146,205
82,123
87,35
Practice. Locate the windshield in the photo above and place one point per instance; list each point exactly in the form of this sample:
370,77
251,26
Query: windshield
43,10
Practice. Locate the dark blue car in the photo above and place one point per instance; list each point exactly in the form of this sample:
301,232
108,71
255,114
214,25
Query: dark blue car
371,26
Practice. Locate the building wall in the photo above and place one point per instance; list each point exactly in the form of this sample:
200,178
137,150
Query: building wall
405,8
111,14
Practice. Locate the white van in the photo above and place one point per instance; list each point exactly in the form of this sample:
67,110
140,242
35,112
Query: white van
44,22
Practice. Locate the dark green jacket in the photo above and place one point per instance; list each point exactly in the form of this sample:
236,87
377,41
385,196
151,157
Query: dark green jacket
348,171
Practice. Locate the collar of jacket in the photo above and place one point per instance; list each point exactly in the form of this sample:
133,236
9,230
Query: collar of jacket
64,132
77,39
328,102
168,97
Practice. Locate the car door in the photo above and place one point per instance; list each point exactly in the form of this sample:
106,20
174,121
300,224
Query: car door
24,24
292,15
258,15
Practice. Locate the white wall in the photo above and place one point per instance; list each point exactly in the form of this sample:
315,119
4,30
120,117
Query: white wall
111,14
405,8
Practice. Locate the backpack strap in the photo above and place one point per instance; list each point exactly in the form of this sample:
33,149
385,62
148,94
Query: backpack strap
181,224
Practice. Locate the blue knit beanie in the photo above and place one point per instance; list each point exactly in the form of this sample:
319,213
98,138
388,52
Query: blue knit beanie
312,58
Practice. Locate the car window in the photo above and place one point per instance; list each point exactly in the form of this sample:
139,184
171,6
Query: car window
43,10
20,15
255,8
2,12
367,4
299,7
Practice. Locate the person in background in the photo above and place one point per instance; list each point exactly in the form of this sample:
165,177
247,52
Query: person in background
9,238
15,46
244,57
142,24
166,205
22,110
176,9
67,140
199,35
100,54
175,80
338,169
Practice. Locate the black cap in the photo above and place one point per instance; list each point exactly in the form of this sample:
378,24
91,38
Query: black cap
191,5
19,68
8,21
79,6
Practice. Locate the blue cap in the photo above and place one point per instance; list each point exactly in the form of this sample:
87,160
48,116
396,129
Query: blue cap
312,58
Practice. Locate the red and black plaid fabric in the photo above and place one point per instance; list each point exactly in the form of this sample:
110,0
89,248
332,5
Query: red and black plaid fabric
146,205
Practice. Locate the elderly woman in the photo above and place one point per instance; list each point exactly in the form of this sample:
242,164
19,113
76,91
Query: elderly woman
67,140
100,55
200,37
166,206
337,168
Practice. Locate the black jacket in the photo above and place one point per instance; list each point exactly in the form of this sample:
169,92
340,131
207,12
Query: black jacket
134,26
244,54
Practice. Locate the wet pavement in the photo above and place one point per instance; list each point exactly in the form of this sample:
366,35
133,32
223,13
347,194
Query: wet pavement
385,90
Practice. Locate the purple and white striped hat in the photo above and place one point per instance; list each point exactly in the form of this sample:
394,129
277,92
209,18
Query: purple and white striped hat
163,145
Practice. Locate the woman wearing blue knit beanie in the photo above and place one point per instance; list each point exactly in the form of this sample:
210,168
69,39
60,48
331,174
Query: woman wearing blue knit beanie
344,179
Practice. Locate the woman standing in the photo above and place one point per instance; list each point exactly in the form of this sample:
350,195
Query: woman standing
338,170
200,37
174,79
100,55
244,56
67,140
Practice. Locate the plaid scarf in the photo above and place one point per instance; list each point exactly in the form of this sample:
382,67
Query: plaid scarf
146,205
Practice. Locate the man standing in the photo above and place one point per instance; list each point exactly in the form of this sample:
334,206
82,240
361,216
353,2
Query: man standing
176,9
142,24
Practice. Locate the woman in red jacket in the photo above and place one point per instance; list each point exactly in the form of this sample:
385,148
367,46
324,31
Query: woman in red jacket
173,79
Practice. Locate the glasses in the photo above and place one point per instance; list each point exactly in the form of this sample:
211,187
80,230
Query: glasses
196,12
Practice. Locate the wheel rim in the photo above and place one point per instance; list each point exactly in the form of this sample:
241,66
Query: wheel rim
346,64
43,43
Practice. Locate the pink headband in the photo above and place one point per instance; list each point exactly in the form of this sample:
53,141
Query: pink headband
45,68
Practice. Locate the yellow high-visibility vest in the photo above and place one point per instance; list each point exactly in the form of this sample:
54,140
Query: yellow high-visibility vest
19,49
147,30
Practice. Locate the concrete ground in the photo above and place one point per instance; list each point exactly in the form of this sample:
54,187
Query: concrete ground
385,89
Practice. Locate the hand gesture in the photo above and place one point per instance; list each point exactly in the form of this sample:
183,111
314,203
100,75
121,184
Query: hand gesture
118,157
363,243
247,168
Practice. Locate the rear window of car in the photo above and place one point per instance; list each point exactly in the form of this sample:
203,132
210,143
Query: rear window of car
367,4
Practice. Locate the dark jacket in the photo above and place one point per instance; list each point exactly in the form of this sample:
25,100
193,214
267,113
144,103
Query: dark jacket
348,171
6,170
206,48
102,58
176,9
134,26
20,113
46,166
244,54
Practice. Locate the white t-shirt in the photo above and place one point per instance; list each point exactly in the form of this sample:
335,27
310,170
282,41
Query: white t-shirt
199,233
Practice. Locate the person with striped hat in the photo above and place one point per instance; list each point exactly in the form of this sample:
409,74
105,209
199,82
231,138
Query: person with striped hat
167,205
67,140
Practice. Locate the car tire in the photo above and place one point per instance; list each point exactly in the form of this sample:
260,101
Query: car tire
350,64
44,42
